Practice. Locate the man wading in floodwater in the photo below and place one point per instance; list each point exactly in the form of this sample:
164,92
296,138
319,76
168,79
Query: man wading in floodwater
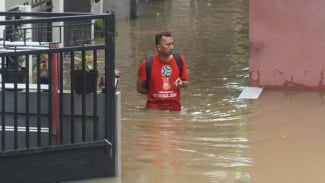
160,76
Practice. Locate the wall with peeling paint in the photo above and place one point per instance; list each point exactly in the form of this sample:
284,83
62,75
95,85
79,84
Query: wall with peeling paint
287,44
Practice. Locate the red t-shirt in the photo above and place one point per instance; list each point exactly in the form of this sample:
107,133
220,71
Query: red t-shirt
162,94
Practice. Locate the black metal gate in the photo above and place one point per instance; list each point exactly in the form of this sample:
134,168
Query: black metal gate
56,124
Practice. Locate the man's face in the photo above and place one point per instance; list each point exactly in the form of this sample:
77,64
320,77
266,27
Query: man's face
166,45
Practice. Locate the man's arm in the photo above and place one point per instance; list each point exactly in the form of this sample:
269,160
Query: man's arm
140,87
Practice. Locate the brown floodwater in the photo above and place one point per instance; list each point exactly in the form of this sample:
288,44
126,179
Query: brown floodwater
216,137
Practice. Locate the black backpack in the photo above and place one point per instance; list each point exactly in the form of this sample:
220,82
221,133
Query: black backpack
149,59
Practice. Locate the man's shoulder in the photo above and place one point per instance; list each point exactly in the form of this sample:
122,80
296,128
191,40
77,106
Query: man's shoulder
179,57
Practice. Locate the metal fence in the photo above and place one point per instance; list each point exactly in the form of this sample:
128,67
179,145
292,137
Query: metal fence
49,92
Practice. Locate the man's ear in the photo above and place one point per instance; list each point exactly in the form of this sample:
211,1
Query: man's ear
158,47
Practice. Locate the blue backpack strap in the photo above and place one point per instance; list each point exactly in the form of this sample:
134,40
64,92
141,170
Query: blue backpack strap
179,62
148,69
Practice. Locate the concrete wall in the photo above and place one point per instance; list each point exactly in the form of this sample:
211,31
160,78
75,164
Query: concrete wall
286,44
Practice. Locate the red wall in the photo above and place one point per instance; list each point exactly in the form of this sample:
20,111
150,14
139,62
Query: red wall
287,43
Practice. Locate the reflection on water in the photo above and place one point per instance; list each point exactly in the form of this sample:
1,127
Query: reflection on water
216,137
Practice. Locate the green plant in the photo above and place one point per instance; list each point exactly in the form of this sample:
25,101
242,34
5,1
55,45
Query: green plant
20,33
99,28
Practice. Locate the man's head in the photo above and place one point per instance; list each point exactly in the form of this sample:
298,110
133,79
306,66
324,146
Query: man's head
164,43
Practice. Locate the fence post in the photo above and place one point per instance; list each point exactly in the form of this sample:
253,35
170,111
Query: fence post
54,92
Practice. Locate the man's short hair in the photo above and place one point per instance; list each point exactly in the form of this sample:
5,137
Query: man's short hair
159,36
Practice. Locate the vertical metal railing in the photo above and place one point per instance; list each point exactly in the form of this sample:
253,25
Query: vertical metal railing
27,111
95,119
3,111
72,107
110,129
15,110
49,99
38,100
61,98
83,103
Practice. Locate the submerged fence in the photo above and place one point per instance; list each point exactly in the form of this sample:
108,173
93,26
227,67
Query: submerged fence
50,99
